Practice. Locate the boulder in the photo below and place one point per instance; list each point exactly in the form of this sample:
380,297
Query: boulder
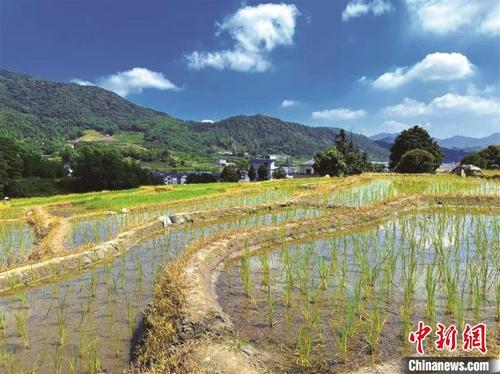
467,170
177,219
165,220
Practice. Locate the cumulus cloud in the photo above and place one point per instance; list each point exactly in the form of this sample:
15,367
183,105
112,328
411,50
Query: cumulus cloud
289,103
339,114
358,8
447,16
207,121
448,103
434,67
256,31
396,126
134,80
408,108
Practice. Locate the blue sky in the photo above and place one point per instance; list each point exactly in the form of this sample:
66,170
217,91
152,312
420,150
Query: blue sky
367,65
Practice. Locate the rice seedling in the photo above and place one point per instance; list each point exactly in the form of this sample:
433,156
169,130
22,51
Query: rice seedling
57,360
21,317
246,274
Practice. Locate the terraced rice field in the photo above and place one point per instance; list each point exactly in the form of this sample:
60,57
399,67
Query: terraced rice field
277,264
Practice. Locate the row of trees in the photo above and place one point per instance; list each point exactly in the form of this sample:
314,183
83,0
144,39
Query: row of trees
24,172
486,158
20,160
413,151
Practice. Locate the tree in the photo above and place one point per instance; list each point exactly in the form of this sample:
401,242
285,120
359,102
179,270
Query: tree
252,175
330,161
279,173
104,169
416,161
486,158
200,178
263,172
230,174
415,138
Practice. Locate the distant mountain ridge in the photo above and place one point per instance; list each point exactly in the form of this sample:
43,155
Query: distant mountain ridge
50,114
457,142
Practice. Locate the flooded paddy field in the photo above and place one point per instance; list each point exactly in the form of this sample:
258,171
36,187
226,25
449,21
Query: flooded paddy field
347,300
91,321
16,241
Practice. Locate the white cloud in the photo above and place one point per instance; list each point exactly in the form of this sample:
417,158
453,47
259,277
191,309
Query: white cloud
395,126
207,121
256,31
357,8
134,80
434,67
465,103
449,103
447,16
289,103
408,108
82,82
339,114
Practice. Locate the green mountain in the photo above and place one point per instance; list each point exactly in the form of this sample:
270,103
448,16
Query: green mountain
50,114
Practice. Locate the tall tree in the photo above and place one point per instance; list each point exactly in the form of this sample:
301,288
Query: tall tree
252,175
263,172
330,161
415,138
416,161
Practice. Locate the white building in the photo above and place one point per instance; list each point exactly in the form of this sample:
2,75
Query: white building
269,164
307,167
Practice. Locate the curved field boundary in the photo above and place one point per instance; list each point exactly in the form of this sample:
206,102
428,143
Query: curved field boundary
186,329
56,267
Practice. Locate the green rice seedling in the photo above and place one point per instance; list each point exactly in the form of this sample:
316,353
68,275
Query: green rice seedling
22,297
246,274
323,271
270,306
333,255
57,360
21,317
34,368
304,346
117,349
430,286
266,274
93,362
61,318
3,325
376,322
73,364
406,325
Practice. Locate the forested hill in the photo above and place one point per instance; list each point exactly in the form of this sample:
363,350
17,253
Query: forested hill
49,114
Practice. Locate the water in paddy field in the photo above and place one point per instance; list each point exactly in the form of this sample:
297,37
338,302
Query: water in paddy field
102,228
16,242
97,314
309,299
382,189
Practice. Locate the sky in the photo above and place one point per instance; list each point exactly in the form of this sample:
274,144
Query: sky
369,66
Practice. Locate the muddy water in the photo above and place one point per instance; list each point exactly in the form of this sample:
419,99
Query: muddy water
272,296
16,242
102,228
96,314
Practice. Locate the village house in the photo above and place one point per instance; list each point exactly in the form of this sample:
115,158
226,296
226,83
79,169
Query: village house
268,163
174,178
307,167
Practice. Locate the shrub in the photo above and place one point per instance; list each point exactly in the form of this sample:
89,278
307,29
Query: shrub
416,161
230,174
279,173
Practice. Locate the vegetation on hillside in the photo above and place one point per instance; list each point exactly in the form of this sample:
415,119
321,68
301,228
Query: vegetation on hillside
50,114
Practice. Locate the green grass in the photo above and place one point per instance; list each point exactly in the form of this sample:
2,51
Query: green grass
129,137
